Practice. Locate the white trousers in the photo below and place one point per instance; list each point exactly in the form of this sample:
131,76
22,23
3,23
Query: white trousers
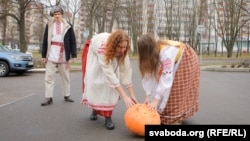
51,70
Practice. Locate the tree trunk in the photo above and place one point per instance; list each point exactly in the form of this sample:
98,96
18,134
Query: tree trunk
22,41
229,52
4,30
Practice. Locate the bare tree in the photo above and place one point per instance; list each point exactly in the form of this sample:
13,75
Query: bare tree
4,8
91,8
230,20
116,14
19,16
182,18
36,24
104,8
194,15
134,21
173,12
73,6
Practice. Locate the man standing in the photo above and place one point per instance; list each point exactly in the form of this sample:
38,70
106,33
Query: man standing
59,45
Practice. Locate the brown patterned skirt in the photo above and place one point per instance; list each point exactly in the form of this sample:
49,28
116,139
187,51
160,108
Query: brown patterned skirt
184,96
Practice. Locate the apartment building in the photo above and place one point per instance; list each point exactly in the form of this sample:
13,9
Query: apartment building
171,19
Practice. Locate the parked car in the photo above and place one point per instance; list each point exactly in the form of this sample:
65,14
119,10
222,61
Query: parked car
14,61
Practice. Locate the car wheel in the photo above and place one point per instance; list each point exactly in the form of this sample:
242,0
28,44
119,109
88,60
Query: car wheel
4,69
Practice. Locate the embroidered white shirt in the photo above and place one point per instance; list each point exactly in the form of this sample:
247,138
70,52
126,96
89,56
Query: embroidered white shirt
56,53
160,89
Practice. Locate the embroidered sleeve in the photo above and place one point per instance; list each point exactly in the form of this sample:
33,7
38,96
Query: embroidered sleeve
166,79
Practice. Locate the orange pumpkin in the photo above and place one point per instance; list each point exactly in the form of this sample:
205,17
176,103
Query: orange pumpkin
139,115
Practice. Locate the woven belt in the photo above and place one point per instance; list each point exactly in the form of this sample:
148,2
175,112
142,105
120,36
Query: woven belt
57,43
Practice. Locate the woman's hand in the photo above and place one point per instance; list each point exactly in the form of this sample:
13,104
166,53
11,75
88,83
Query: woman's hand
153,104
146,101
128,101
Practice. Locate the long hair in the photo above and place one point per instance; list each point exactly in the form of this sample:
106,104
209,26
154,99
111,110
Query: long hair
149,60
114,40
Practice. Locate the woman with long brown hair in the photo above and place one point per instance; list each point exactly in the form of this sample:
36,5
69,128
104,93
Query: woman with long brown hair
170,77
108,65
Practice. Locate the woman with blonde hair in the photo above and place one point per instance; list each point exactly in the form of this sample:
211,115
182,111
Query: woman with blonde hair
170,77
107,66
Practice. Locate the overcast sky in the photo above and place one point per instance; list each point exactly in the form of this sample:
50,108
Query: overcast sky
48,2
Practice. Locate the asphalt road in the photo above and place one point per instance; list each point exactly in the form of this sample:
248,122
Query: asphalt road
224,99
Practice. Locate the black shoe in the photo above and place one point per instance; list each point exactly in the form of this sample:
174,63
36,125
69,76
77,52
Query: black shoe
67,99
47,101
93,116
109,124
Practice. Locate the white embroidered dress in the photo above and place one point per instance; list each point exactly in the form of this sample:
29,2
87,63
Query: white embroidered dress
101,78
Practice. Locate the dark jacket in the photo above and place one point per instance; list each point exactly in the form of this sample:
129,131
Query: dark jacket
69,40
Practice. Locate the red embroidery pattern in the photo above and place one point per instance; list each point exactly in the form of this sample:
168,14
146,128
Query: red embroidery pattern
59,44
166,65
60,59
58,28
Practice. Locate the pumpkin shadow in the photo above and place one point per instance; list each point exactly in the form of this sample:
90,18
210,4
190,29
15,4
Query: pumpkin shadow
136,136
188,122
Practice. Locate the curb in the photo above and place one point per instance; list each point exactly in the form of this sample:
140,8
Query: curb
42,70
227,69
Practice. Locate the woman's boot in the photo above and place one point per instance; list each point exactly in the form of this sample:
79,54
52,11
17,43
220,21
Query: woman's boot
108,123
93,115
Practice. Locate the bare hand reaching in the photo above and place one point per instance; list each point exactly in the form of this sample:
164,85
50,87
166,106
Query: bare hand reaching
153,105
129,102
